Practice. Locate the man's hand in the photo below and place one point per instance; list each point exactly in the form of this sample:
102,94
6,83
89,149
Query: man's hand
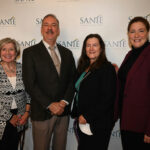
56,108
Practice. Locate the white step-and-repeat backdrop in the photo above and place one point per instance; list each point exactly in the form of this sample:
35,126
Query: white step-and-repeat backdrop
21,19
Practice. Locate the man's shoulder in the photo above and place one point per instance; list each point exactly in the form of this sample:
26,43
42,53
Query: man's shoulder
33,47
63,48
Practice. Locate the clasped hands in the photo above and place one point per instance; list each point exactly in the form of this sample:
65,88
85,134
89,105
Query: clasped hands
17,120
57,108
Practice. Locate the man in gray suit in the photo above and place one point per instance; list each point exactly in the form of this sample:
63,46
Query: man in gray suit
50,86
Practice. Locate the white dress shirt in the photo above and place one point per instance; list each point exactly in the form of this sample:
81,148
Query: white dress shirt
58,54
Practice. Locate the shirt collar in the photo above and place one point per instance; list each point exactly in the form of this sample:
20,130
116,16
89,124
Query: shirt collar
47,45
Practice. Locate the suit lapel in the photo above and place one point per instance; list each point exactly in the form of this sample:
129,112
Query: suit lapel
86,75
44,53
45,56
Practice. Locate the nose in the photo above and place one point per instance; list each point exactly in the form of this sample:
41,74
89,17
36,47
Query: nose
49,26
91,47
7,51
136,34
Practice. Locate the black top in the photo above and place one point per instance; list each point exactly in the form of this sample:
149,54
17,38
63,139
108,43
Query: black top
96,98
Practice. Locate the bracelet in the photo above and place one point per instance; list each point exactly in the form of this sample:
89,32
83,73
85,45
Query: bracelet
27,111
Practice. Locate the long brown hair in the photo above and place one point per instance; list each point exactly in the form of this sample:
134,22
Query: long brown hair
84,61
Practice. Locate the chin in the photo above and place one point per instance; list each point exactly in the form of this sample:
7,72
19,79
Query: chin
8,61
138,45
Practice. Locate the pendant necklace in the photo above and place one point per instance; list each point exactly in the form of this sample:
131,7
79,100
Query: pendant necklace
13,70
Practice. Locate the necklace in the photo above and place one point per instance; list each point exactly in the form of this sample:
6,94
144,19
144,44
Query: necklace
13,70
7,69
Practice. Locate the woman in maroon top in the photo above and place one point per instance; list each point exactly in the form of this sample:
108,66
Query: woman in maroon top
134,88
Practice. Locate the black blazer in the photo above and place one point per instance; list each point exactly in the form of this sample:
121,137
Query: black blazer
43,82
96,98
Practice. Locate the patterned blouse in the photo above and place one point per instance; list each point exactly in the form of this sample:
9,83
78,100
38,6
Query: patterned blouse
8,93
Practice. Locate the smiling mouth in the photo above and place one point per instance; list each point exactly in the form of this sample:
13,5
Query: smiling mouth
137,40
7,57
91,52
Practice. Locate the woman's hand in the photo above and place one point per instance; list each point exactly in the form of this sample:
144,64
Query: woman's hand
23,119
14,120
82,120
146,139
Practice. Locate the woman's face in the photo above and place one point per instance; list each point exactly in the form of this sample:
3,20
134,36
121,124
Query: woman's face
138,34
93,49
8,53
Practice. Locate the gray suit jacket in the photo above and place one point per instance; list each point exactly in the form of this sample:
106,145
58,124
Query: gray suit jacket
7,93
43,82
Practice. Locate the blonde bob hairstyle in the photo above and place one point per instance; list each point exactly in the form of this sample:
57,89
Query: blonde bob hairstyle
14,42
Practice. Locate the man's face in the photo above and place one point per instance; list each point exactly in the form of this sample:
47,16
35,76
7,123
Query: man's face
50,29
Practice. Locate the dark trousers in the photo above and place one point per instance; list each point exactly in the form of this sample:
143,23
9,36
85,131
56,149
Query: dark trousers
93,142
133,141
10,138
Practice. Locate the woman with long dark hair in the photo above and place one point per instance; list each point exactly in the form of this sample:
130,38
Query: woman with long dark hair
95,95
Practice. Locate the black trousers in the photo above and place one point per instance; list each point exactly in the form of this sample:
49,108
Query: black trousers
10,138
93,142
133,141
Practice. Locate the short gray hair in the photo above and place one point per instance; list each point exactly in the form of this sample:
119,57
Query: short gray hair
13,41
50,15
